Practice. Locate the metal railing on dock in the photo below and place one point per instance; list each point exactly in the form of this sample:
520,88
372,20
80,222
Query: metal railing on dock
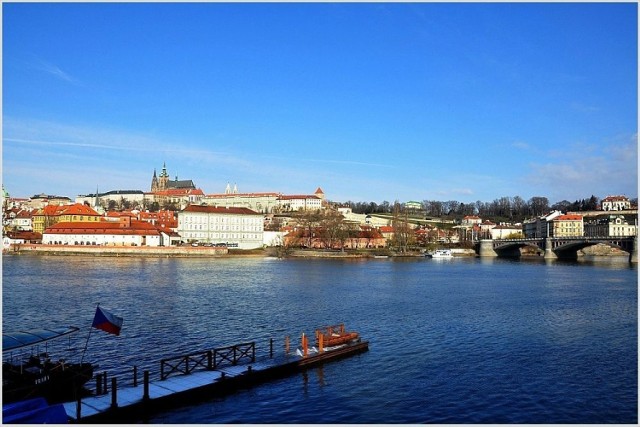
185,364
209,359
234,354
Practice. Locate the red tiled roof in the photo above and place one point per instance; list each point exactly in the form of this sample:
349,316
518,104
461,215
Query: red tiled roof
148,215
225,195
79,209
219,210
52,210
180,192
114,214
569,218
26,235
295,197
103,227
615,199
23,214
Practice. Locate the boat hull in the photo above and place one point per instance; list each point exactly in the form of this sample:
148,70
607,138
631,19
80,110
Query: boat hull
57,384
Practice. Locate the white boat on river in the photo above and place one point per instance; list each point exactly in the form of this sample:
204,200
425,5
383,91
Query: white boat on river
441,253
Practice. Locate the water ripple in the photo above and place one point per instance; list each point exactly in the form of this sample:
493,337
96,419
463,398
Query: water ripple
467,341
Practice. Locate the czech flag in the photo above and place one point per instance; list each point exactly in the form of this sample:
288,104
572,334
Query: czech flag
106,321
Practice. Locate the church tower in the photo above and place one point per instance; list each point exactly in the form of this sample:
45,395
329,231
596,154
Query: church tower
159,183
154,182
164,178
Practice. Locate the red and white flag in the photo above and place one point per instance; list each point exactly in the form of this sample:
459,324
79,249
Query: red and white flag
107,321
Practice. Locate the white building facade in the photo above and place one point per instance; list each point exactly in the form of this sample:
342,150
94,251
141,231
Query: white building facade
299,203
258,202
540,227
105,233
239,228
615,203
506,232
611,226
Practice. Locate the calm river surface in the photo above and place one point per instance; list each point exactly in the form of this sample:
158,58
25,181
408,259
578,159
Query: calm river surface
451,341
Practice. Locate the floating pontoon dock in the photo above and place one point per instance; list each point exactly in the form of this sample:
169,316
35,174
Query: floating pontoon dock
206,374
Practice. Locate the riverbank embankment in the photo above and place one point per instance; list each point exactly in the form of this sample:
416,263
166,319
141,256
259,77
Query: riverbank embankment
150,251
205,251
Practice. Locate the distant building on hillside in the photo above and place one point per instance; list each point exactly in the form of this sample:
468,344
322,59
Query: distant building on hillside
615,203
471,220
116,198
413,205
39,201
270,202
163,182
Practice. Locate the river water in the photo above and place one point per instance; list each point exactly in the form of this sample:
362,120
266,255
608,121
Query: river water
450,341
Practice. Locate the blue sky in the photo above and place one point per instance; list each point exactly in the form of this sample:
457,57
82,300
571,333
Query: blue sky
371,102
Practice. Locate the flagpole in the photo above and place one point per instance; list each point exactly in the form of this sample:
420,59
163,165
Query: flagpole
86,344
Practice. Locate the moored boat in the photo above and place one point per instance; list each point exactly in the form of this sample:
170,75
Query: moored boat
441,253
332,336
35,375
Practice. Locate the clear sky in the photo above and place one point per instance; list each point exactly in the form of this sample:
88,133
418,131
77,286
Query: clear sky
370,102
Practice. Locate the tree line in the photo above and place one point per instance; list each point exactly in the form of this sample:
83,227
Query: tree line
505,208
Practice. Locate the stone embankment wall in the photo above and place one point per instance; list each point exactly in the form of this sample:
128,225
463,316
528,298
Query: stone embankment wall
155,251
324,254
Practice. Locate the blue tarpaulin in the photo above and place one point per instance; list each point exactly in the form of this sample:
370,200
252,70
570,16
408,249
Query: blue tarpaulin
33,411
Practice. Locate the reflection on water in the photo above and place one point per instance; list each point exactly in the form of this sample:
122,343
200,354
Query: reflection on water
470,340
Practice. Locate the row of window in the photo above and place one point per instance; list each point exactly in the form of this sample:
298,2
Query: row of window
218,219
219,228
221,236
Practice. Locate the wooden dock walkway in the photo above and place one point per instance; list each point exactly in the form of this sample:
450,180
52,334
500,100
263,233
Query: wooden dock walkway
185,379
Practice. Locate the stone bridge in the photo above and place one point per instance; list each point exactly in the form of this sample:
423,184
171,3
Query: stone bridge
556,247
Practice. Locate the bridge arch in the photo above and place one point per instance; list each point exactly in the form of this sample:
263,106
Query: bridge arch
569,249
514,249
556,247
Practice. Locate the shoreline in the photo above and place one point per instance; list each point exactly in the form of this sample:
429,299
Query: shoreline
115,251
223,252
190,251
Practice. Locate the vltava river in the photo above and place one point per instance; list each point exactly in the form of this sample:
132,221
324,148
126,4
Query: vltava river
451,341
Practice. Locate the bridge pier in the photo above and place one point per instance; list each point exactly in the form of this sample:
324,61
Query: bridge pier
633,258
548,249
486,248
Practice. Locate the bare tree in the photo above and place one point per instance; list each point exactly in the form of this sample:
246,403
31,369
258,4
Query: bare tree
309,221
331,228
519,207
538,206
402,230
